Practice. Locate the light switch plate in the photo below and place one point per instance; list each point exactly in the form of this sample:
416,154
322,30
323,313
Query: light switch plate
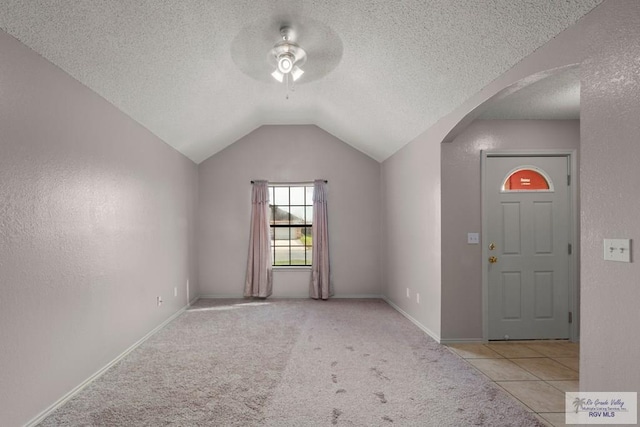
617,250
473,238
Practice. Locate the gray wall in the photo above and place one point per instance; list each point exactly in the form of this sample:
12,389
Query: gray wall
96,220
411,200
289,154
461,209
610,172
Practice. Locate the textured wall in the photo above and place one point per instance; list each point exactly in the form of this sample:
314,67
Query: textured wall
411,217
96,221
461,209
290,154
610,128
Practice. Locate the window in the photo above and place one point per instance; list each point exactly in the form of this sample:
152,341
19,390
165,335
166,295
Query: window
291,217
527,178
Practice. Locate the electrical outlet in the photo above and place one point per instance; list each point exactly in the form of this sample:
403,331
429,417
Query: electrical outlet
159,300
473,238
408,296
418,298
175,291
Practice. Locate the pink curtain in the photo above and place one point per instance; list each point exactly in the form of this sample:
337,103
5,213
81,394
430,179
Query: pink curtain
259,279
321,286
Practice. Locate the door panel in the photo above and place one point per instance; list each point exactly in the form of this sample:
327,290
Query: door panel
511,228
543,227
512,295
543,287
528,281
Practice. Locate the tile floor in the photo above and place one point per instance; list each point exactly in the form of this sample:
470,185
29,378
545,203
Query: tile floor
537,373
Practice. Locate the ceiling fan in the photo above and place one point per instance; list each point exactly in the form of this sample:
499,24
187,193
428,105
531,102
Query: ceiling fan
289,57
302,46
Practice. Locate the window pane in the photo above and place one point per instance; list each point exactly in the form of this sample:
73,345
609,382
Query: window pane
281,195
297,238
309,191
526,179
297,255
297,195
281,256
297,214
309,214
308,233
281,236
280,215
271,195
293,236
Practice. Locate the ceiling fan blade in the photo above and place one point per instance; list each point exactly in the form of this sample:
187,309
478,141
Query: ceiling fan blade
278,75
296,73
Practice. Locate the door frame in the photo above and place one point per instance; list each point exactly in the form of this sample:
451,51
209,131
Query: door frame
574,232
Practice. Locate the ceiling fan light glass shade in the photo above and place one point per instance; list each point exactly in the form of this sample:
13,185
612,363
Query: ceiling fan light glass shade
285,62
296,73
278,75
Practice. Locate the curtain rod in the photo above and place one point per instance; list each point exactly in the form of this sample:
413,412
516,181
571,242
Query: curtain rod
292,183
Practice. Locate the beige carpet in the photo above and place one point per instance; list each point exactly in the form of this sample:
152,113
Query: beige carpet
291,363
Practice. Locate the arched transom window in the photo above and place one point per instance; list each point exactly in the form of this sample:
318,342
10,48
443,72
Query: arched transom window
527,178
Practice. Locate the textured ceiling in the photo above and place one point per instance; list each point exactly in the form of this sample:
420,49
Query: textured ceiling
556,97
379,72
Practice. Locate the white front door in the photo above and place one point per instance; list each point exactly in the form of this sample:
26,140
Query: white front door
528,235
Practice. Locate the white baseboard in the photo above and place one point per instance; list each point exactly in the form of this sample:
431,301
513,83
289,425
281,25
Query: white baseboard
358,296
414,321
221,296
64,399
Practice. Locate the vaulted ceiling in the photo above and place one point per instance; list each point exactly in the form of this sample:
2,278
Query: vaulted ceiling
196,73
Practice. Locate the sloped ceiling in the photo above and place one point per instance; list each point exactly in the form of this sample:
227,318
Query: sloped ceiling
196,72
556,97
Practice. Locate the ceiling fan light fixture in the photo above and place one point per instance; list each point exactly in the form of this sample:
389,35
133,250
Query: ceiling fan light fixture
288,57
296,73
285,62
278,75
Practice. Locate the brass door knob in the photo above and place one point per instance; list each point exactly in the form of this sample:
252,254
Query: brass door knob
493,259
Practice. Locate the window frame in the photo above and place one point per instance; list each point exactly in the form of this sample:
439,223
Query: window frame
306,224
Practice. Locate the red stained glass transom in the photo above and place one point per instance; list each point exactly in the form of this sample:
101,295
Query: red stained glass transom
526,179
